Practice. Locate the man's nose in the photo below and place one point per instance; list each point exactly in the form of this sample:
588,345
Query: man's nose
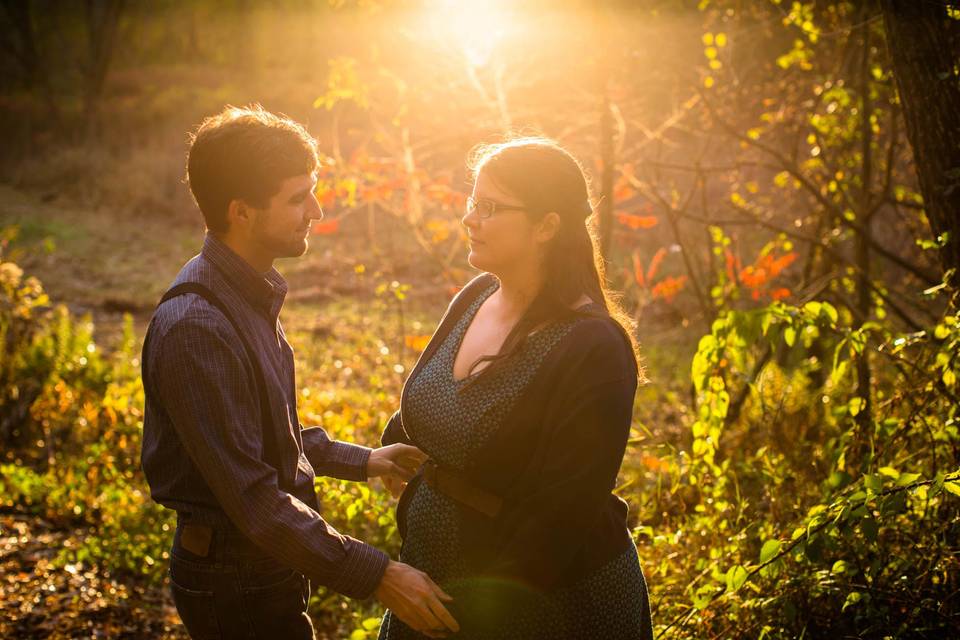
315,212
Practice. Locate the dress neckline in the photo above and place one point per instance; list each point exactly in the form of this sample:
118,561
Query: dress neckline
469,316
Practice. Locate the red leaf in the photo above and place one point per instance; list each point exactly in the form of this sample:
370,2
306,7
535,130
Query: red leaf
417,343
637,222
669,287
655,263
325,227
780,294
623,192
638,269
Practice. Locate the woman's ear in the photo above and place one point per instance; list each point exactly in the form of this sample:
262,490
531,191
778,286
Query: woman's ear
547,227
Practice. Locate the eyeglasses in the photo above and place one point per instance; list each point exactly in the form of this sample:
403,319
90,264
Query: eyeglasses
486,208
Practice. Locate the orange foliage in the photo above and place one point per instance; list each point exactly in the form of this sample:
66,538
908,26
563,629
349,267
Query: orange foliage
325,227
733,264
765,269
780,294
416,343
362,178
643,278
623,191
638,269
655,263
669,287
654,463
637,222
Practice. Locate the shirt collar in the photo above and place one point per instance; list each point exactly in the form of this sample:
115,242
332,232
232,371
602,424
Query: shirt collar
265,291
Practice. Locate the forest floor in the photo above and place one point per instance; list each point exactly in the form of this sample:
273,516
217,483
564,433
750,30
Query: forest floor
39,599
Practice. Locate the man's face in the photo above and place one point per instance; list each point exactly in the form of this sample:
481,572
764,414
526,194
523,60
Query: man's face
281,229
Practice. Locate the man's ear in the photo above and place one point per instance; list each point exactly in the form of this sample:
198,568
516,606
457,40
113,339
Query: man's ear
548,227
239,215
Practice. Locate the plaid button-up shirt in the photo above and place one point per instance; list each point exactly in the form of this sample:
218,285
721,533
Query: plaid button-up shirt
202,438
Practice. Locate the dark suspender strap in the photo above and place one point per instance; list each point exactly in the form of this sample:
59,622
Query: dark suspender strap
270,445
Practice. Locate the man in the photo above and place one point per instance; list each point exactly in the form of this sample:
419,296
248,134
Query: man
222,442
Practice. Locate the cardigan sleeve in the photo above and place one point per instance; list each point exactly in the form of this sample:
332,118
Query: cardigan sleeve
586,431
394,433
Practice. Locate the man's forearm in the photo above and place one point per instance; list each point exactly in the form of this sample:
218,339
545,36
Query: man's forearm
334,458
295,534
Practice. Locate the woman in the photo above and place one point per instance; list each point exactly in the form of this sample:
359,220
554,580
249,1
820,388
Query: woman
523,401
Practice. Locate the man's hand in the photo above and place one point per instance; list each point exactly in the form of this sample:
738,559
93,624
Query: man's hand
395,464
414,598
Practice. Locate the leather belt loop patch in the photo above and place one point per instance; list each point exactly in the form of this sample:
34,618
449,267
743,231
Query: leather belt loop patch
196,539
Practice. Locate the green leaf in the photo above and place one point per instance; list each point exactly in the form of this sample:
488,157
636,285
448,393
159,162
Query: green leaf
830,311
949,377
907,478
789,336
856,405
736,576
873,482
769,550
700,601
852,598
952,486
370,623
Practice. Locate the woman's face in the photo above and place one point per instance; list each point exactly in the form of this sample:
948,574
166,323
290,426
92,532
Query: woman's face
507,240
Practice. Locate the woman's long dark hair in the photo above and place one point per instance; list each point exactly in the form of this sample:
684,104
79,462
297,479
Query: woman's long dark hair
545,177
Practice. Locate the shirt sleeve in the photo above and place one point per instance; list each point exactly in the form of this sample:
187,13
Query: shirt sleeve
210,398
334,458
588,427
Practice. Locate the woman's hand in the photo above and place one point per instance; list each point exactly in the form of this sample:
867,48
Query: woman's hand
395,464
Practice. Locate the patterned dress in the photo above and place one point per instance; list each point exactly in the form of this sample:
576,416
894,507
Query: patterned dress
451,423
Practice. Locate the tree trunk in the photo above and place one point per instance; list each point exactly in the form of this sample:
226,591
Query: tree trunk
864,418
102,21
923,42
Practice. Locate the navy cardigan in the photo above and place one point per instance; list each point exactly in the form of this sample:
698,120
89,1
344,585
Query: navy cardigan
554,460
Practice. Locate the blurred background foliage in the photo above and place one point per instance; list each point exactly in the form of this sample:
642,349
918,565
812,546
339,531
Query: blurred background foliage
776,186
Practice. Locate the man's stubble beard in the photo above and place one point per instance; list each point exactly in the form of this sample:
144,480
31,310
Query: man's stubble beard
292,247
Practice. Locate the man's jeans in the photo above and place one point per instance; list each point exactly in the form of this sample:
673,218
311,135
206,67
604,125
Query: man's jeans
237,591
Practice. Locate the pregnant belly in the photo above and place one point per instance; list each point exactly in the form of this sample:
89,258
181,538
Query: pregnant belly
432,540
